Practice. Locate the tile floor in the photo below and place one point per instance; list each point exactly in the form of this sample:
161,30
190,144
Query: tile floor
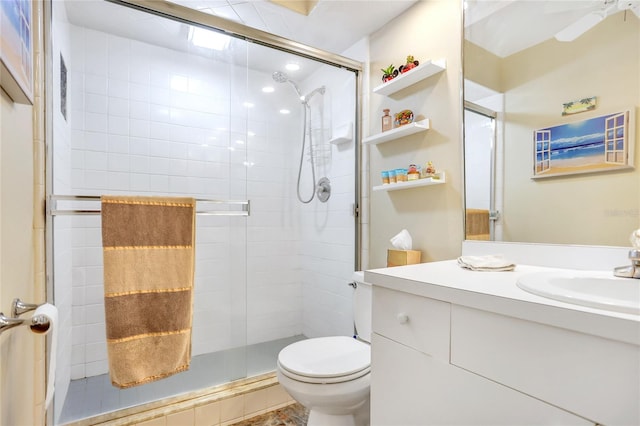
95,395
292,415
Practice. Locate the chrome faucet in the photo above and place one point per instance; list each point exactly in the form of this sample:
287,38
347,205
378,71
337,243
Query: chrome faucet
630,271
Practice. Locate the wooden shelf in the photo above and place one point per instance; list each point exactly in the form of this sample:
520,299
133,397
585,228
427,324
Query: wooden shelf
398,132
402,81
412,184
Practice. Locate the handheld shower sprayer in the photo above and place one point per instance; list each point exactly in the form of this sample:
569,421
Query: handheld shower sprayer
282,77
323,188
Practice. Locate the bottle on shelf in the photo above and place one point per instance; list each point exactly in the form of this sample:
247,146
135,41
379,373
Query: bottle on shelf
413,173
387,121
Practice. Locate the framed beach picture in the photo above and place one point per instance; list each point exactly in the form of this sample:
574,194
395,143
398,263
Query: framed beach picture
16,50
597,144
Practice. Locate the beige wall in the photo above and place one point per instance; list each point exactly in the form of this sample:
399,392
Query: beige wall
432,214
482,66
21,256
593,209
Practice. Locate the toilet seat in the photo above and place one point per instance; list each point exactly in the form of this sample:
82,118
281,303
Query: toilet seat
325,360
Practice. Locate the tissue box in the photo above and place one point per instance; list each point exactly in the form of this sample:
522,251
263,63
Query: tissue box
403,257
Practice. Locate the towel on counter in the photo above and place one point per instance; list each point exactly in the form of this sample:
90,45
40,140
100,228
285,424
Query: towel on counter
148,250
486,263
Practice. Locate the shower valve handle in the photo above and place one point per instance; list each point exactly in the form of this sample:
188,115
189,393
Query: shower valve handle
323,189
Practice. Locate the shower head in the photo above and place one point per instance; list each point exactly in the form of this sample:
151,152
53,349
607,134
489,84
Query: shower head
281,77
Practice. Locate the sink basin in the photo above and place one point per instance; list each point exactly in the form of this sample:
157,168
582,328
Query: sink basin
593,289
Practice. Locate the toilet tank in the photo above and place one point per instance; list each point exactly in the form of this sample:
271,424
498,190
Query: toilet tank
362,306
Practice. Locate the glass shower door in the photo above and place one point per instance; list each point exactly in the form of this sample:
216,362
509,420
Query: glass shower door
149,111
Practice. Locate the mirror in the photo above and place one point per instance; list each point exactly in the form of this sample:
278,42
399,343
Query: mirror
532,70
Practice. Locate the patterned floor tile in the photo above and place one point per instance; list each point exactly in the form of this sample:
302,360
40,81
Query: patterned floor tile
291,415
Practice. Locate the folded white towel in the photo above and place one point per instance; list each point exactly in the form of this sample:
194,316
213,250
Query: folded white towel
486,263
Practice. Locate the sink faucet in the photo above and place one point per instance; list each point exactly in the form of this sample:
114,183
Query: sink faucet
630,271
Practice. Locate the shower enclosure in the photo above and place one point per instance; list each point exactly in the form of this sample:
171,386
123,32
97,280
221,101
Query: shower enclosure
165,104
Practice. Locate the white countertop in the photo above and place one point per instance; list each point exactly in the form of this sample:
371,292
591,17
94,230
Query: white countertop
497,292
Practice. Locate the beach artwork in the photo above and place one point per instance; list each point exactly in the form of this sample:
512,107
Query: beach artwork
582,105
597,144
16,60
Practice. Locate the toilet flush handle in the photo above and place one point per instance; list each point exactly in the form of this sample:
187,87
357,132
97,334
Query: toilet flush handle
403,318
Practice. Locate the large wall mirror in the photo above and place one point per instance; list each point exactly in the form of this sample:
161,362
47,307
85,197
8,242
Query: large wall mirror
552,143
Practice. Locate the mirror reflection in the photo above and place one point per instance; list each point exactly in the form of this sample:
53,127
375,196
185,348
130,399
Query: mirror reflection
552,90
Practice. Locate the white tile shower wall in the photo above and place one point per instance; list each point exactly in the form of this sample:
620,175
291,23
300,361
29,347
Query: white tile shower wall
327,230
150,120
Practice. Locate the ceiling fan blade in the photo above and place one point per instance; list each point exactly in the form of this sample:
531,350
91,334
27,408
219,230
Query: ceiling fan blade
632,5
628,4
562,6
580,27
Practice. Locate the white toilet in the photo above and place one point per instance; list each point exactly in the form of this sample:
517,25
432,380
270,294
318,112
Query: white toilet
331,375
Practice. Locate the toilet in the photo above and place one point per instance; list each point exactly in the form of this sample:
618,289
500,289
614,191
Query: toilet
331,375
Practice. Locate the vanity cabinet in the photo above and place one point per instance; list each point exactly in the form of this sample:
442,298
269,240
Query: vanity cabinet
438,362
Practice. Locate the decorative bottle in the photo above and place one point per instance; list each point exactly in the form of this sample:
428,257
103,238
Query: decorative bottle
413,173
387,121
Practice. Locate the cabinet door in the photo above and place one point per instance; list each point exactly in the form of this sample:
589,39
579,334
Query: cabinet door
411,388
589,375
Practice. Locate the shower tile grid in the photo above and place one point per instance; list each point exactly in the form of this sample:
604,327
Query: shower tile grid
93,396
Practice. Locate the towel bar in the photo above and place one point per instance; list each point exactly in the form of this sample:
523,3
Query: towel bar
54,211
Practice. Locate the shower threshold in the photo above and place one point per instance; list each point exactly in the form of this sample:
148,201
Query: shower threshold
93,396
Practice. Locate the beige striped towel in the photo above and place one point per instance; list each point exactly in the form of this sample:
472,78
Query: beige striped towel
148,248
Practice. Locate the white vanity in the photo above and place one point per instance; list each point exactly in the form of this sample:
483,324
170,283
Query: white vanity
453,346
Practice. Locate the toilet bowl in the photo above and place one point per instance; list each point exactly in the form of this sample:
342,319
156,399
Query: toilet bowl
331,375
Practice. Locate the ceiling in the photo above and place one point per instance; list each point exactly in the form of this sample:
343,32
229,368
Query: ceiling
330,25
505,27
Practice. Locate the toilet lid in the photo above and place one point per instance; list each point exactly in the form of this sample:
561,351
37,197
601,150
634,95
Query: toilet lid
325,357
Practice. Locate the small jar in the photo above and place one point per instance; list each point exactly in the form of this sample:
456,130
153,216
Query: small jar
413,173
401,175
392,176
387,120
385,177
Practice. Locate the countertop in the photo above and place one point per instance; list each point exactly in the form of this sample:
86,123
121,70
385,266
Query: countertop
497,292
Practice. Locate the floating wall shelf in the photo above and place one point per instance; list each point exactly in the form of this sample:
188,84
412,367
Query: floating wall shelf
402,81
398,132
412,183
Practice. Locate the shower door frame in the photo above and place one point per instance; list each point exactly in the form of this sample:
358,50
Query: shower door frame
233,29
252,35
193,17
494,214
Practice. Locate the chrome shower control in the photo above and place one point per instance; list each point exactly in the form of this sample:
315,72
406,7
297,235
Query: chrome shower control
323,189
